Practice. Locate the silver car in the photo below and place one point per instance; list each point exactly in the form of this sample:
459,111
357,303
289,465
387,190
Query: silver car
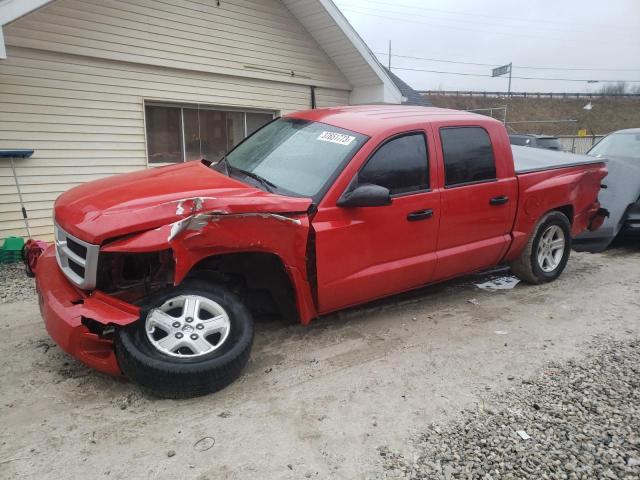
622,195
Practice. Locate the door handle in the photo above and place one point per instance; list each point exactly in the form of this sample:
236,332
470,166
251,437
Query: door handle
420,215
501,200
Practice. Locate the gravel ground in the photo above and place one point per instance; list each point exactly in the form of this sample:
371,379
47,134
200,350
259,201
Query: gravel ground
15,286
575,420
317,402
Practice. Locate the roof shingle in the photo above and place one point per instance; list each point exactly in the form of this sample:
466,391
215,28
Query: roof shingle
410,96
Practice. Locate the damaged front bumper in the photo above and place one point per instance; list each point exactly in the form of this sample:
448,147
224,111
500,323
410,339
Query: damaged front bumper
79,322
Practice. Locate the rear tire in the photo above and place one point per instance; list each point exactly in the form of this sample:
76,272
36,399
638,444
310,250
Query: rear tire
197,368
546,254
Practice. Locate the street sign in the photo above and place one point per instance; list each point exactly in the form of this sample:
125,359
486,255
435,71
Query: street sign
496,72
499,71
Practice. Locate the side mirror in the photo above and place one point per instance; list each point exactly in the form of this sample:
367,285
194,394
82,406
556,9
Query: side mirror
367,195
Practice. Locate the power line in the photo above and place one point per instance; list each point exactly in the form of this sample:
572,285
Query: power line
460,21
520,78
366,10
438,60
524,19
440,71
515,66
408,20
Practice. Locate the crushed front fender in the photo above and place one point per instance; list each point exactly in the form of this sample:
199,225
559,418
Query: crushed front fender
204,234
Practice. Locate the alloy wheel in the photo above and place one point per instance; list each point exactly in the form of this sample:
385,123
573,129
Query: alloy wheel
188,326
551,248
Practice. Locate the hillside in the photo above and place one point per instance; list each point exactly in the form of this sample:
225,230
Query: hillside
608,114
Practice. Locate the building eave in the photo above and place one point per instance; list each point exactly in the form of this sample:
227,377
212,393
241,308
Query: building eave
369,82
390,92
11,10
333,32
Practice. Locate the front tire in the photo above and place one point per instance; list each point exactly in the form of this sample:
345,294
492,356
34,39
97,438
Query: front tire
546,254
190,341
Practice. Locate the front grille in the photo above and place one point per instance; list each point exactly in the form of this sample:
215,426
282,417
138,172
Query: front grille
76,248
77,269
77,259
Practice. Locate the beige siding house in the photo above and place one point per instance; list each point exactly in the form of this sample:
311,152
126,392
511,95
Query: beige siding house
101,87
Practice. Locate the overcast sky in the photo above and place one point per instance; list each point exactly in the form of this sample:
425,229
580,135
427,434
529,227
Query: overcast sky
558,34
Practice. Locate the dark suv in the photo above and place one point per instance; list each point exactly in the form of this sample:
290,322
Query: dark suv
535,141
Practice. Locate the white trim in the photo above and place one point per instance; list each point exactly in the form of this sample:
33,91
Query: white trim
389,92
154,102
146,143
3,49
182,134
11,10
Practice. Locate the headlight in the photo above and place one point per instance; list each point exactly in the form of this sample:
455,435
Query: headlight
132,276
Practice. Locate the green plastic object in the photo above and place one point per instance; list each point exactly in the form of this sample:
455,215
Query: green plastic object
11,251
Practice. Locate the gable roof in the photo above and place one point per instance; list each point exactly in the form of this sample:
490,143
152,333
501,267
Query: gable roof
369,81
11,10
409,95
335,35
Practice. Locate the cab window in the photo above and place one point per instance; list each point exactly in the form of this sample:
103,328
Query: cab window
468,156
400,164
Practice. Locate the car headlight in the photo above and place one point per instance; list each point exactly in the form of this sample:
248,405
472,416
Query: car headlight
132,276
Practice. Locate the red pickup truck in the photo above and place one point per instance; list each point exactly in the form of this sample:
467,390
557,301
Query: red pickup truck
158,274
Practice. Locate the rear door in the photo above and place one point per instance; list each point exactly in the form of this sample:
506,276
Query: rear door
478,201
364,253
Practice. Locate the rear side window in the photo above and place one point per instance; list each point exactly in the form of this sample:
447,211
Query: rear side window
468,156
401,165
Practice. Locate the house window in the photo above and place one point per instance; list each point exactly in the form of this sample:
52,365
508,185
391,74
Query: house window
164,134
190,132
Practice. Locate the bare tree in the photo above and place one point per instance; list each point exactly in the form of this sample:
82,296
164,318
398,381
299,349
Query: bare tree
613,89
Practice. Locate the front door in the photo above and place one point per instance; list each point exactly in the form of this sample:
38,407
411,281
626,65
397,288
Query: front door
368,252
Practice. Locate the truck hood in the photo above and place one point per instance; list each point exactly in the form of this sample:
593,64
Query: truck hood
134,202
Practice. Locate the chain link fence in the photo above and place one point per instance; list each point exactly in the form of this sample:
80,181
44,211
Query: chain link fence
570,143
575,144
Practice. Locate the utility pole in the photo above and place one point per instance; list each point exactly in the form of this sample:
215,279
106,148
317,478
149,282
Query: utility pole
389,55
510,69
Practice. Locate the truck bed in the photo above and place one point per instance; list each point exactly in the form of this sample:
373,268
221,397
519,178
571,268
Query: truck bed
527,159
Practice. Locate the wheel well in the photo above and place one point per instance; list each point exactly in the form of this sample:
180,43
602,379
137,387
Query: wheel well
259,278
568,212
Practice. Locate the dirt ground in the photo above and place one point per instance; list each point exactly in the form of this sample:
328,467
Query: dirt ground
314,402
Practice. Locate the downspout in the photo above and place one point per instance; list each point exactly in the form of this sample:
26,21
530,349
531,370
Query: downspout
313,96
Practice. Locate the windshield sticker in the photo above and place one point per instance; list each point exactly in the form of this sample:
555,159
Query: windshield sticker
339,138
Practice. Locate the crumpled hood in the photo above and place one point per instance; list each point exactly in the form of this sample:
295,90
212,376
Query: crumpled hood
138,201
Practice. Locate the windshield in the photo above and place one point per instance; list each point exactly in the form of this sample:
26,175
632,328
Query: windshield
293,156
618,145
